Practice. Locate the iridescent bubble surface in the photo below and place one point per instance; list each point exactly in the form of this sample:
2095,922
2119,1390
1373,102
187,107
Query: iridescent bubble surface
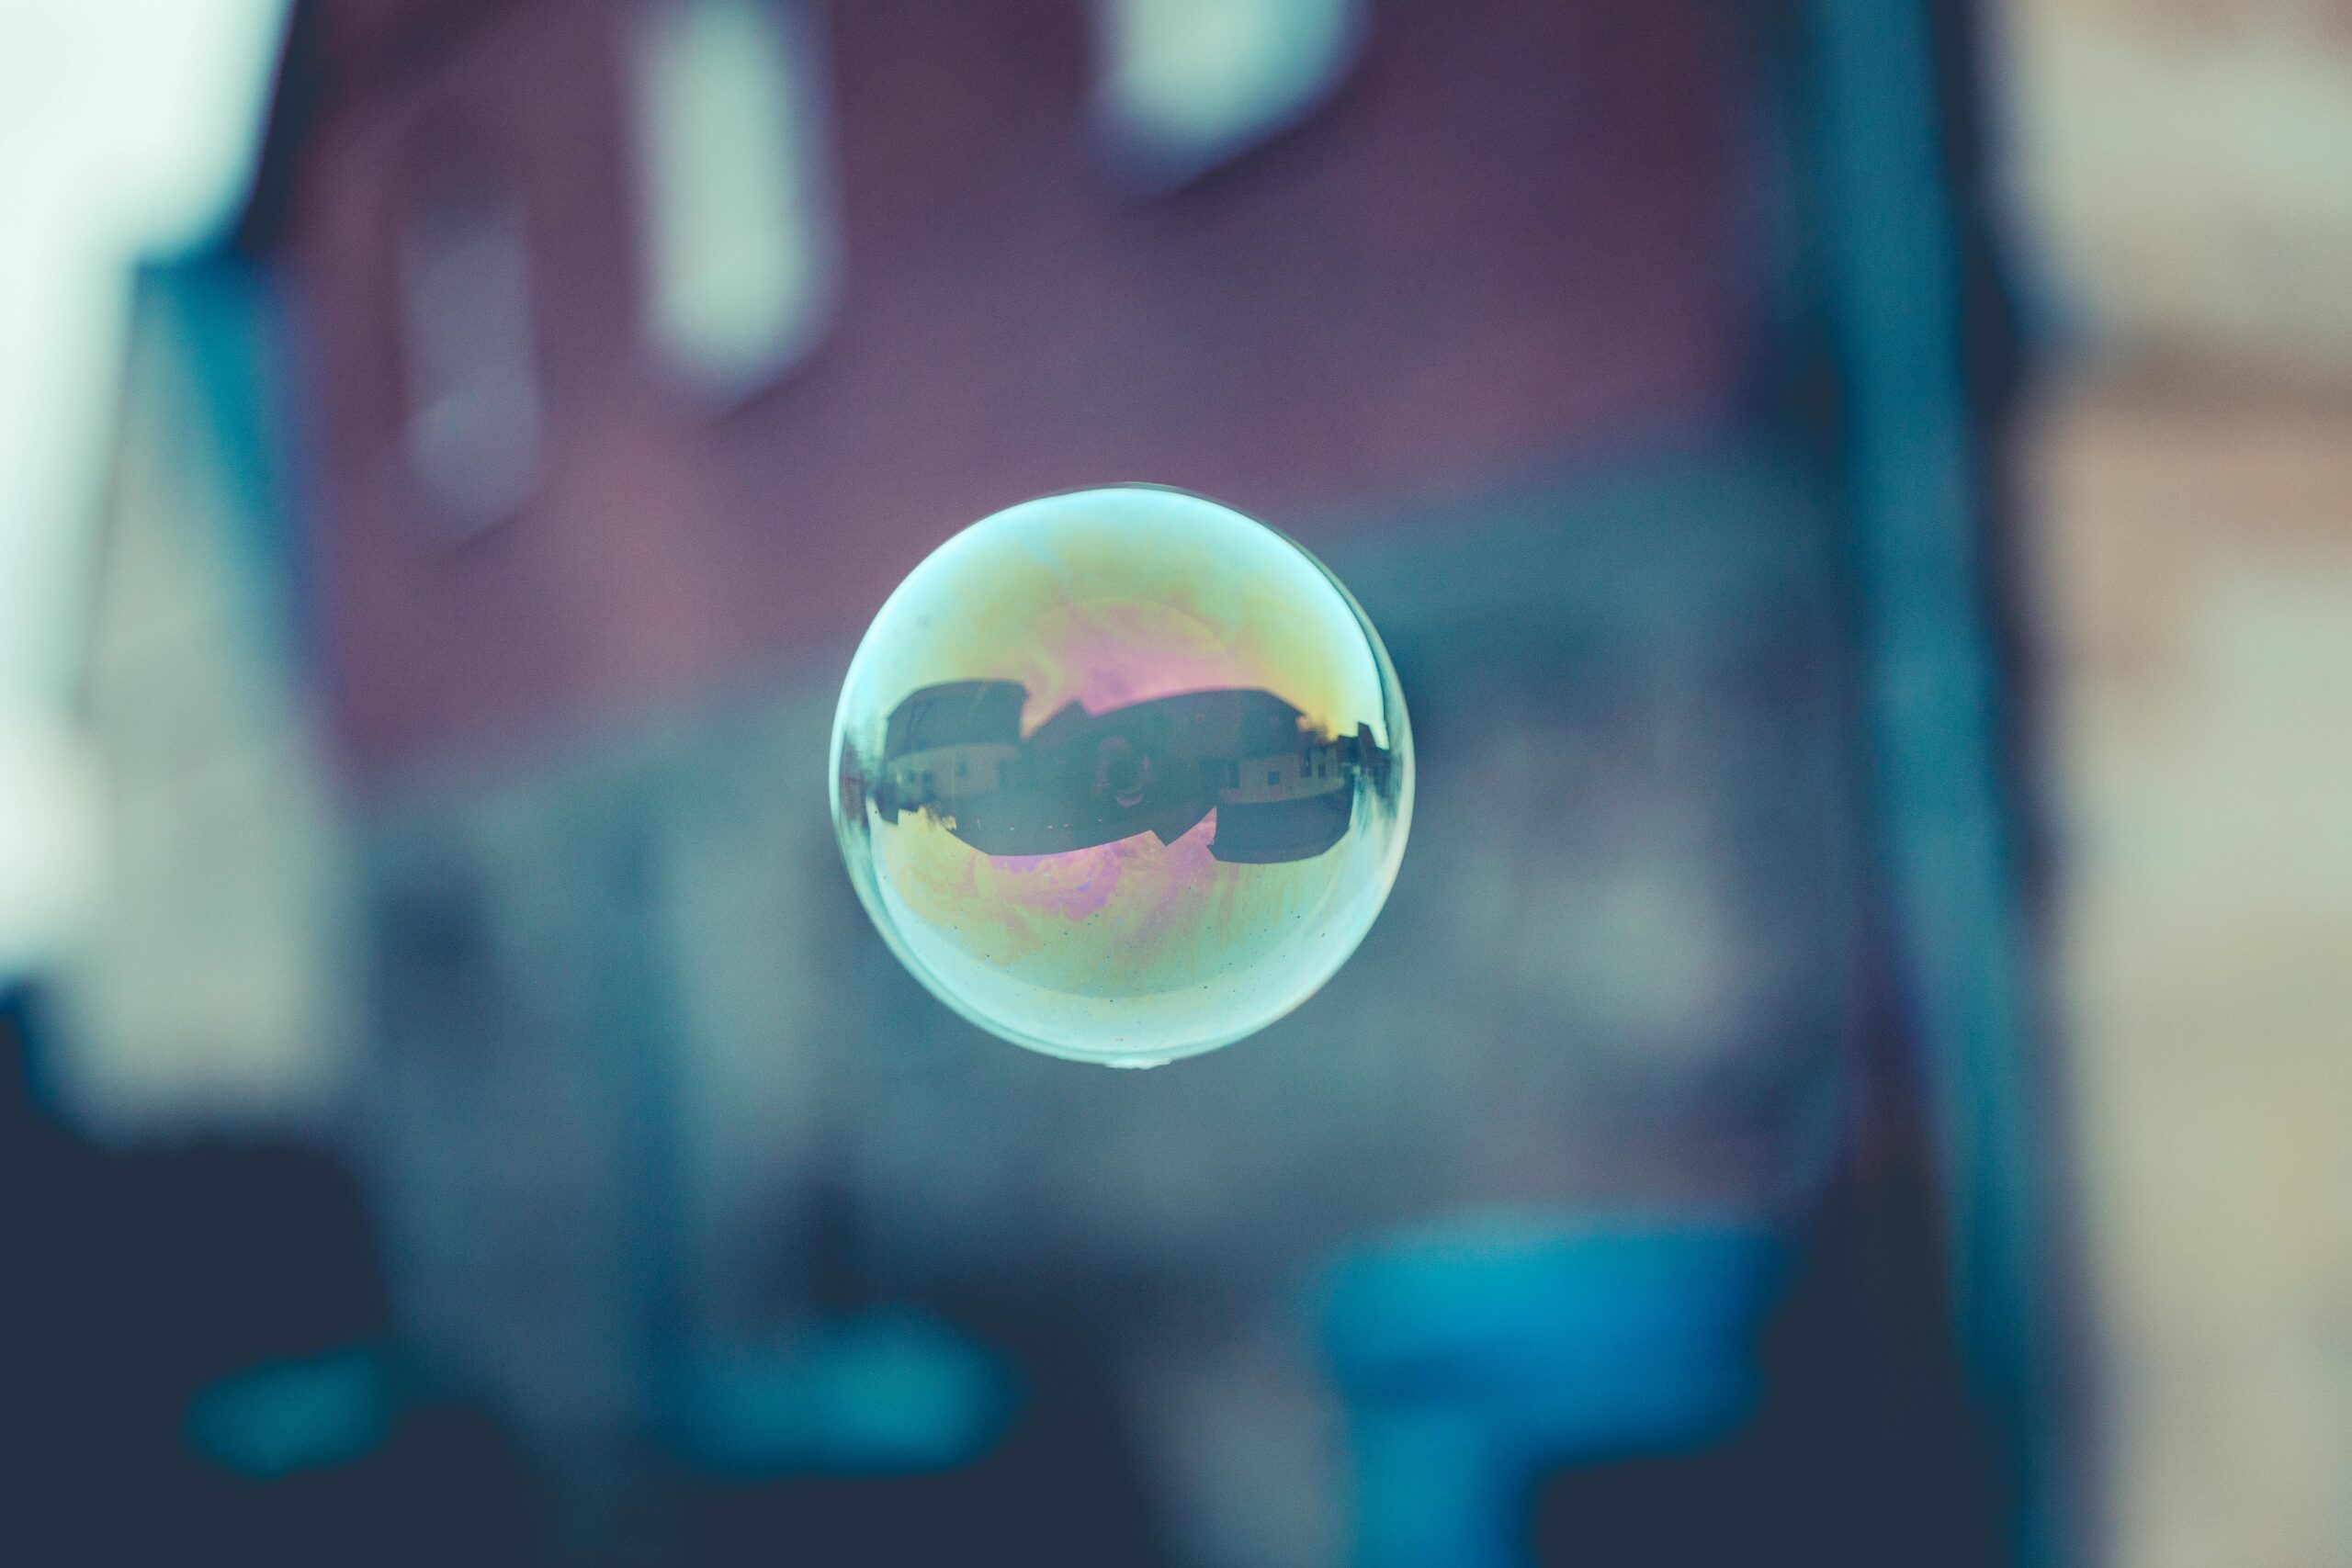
1123,775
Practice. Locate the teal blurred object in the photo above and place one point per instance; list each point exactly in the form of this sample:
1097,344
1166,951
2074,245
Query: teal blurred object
274,1420
1474,1355
879,1394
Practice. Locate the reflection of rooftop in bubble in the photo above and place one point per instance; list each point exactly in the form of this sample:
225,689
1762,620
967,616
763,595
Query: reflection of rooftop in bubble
1281,790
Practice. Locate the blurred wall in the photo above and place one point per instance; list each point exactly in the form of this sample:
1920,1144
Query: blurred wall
2180,165
2201,562
2181,170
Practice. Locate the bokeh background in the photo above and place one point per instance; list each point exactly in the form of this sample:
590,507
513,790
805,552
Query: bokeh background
1852,1072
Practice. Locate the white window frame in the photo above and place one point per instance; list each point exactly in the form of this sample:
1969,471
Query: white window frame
1184,86
739,223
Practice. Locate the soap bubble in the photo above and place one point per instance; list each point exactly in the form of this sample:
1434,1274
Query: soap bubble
1121,775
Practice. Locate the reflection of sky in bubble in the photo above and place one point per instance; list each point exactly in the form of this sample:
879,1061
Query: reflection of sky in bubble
1180,857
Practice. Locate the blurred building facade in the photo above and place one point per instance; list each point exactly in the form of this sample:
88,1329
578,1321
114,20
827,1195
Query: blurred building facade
215,984
643,347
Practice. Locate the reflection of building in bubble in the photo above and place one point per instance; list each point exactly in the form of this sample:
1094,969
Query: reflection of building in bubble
1282,790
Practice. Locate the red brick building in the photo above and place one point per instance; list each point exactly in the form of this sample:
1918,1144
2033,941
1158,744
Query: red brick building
1509,233
647,342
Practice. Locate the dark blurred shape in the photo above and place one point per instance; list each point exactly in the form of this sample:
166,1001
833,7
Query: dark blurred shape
446,1484
1053,1480
181,1367
1864,1446
903,1438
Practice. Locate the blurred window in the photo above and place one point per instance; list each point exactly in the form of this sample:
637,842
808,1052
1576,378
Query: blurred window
1188,84
473,387
738,232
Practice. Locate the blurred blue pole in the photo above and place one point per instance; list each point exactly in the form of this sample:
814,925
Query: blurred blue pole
1916,511
1433,1489
1475,1354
